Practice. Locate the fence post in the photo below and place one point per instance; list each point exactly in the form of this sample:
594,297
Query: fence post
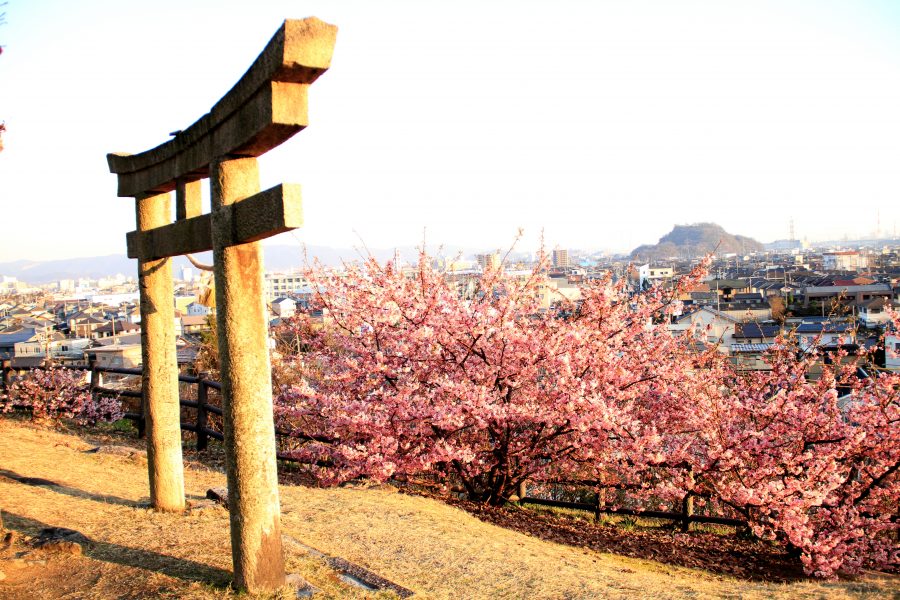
96,380
7,369
202,420
142,412
687,504
687,510
523,490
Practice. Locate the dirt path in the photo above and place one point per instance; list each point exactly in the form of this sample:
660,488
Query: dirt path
433,549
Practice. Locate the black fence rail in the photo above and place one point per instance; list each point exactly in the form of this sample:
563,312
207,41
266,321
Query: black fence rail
200,425
685,517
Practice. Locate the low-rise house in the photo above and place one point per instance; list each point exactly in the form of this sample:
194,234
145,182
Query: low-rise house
872,313
750,357
116,355
17,335
194,323
115,328
196,309
284,307
125,338
825,332
746,312
849,293
756,333
709,325
85,325
728,287
892,351
69,351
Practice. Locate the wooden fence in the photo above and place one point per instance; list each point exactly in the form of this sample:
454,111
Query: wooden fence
200,426
686,517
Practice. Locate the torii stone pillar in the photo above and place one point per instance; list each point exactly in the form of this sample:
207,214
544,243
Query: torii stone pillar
265,108
244,355
159,377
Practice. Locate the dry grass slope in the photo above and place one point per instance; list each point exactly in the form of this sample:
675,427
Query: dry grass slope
431,548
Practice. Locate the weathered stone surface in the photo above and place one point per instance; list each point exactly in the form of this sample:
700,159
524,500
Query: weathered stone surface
126,451
361,577
9,538
61,547
219,495
36,481
263,215
188,201
249,433
60,538
301,587
159,379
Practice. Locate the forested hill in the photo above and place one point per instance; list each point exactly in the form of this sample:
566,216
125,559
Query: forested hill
690,241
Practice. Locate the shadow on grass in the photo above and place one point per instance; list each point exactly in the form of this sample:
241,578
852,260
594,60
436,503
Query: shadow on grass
138,558
67,490
748,559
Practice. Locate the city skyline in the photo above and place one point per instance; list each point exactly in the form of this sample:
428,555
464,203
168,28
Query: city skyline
600,126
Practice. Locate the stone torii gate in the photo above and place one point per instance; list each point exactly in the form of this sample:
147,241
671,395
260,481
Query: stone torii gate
266,107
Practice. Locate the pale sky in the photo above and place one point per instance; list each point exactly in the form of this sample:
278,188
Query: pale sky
602,123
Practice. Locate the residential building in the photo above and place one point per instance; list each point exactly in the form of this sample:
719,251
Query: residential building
710,326
488,261
892,351
658,273
872,313
561,259
284,307
195,309
848,260
283,284
117,355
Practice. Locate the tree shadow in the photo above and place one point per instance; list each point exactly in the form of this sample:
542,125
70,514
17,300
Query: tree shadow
68,490
179,568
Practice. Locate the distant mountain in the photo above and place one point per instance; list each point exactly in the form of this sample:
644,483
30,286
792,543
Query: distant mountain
277,258
691,241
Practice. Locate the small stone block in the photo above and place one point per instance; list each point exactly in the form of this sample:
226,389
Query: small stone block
9,538
60,540
302,588
219,494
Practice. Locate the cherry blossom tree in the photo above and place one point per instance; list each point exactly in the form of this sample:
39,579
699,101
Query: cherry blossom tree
56,393
489,381
807,453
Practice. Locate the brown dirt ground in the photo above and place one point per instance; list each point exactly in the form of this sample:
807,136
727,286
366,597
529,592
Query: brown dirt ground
436,550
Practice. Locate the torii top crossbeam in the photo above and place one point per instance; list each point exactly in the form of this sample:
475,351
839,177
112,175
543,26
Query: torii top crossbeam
265,108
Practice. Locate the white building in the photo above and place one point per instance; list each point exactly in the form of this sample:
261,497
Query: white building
848,260
657,273
284,307
892,351
710,326
195,309
283,284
